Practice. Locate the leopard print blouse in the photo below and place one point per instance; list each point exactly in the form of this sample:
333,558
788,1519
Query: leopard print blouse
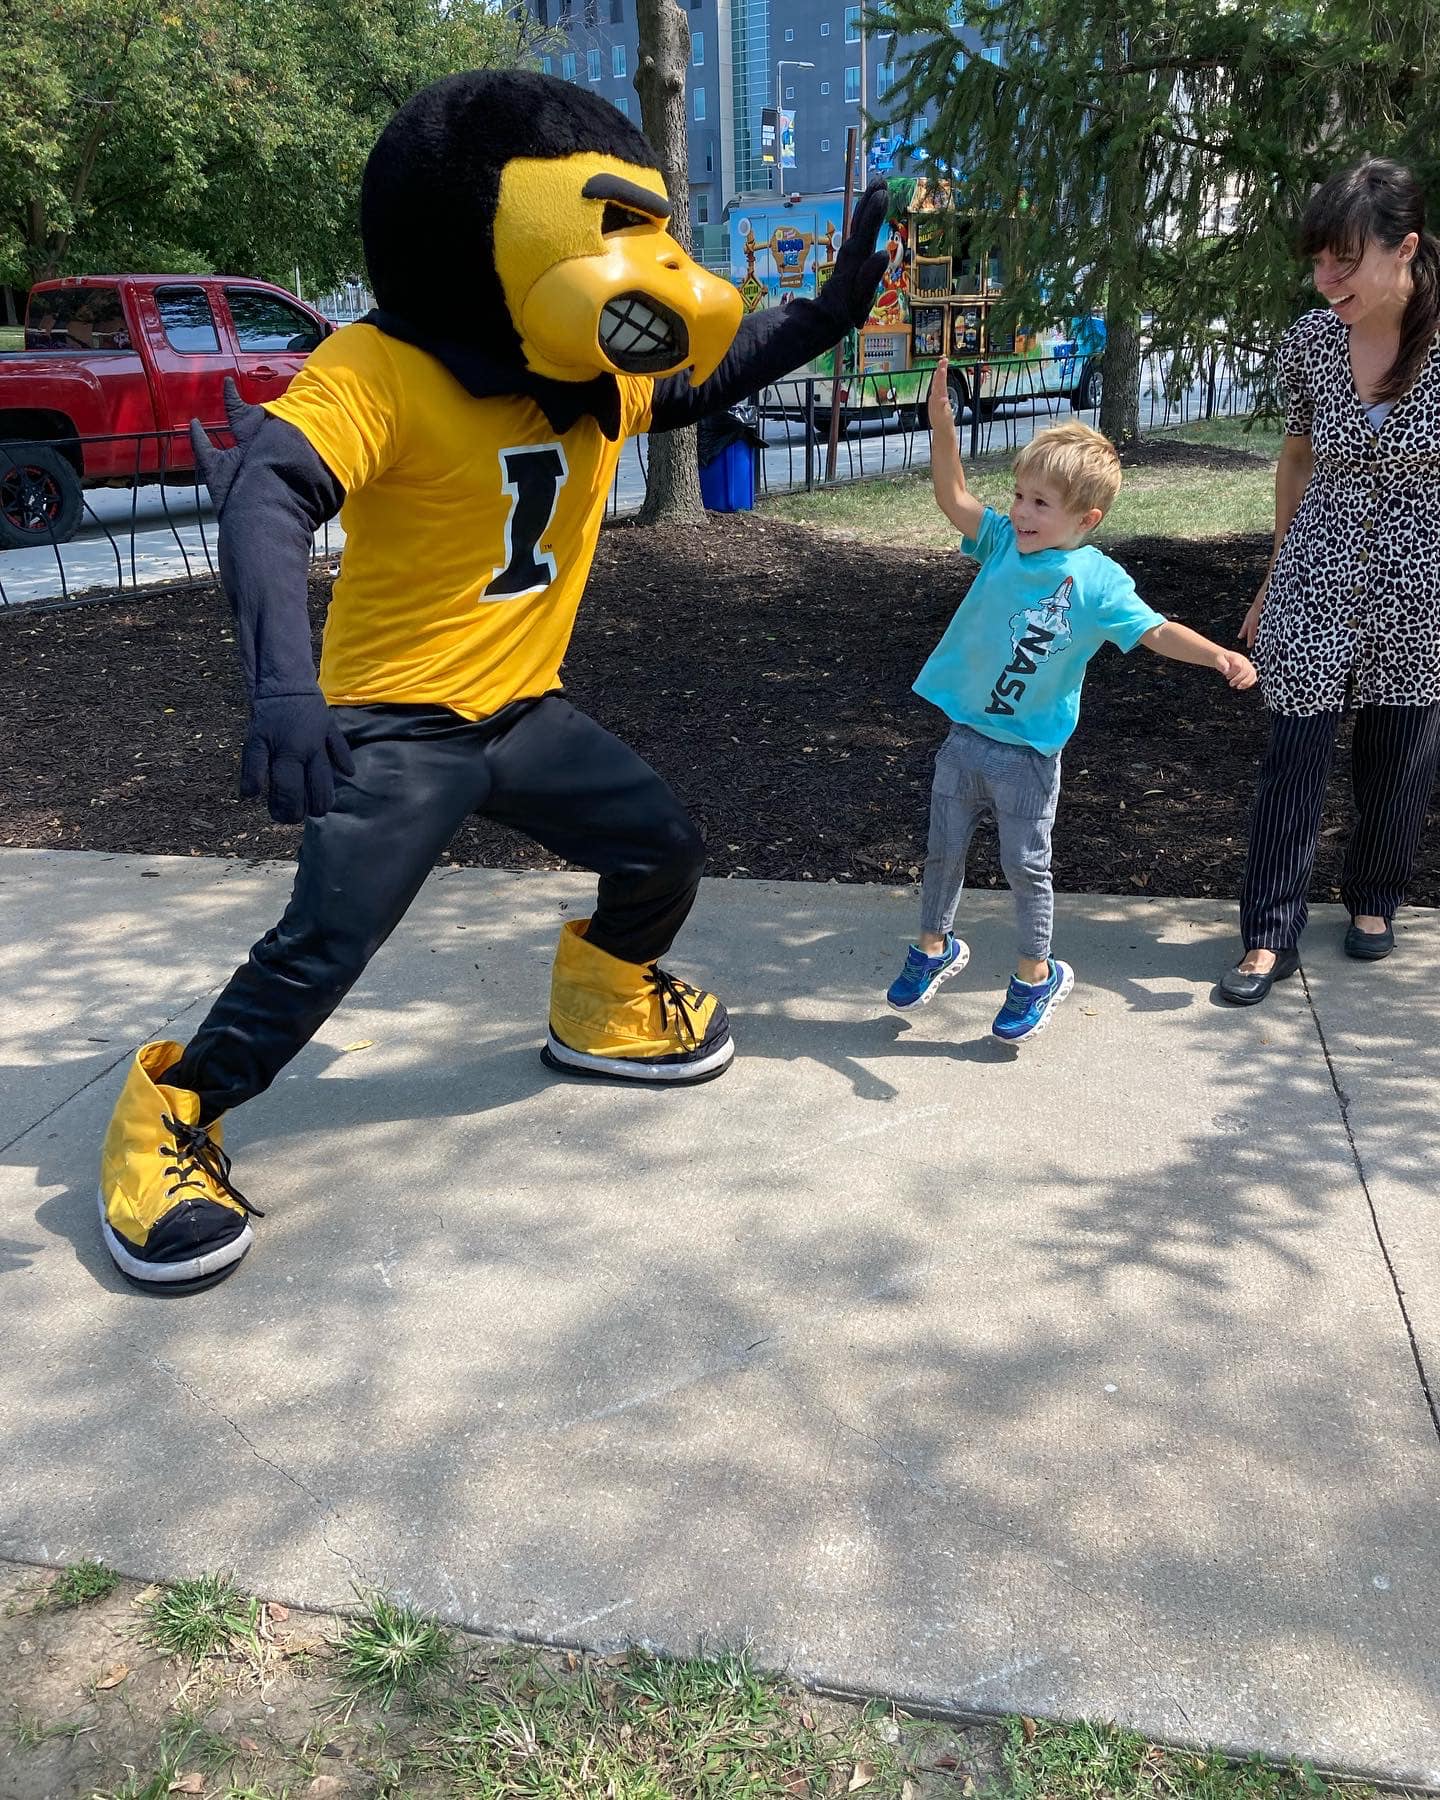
1353,611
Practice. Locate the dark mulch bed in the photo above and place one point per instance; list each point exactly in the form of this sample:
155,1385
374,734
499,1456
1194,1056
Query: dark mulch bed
765,670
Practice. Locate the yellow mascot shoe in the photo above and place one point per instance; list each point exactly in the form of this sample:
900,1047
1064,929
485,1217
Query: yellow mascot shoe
631,1020
169,1215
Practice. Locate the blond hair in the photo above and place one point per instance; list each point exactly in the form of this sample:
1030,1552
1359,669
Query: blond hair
1076,459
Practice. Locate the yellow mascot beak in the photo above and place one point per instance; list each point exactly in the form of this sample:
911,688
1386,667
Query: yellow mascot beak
594,282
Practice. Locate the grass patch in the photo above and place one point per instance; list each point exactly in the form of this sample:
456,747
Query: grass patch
12,337
1102,1762
1174,500
647,1729
204,1617
80,1584
392,1649
1254,436
29,1733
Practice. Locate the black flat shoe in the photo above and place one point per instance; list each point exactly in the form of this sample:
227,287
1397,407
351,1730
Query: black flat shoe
1369,946
1241,989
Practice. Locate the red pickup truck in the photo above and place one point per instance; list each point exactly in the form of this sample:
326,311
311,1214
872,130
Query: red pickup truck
113,370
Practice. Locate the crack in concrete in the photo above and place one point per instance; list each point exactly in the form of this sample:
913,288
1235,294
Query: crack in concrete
326,1512
1342,1100
111,1067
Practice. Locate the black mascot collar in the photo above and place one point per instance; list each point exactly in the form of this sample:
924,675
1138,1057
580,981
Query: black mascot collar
564,403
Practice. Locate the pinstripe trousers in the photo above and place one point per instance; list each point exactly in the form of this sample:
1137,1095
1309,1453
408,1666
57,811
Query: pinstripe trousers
1393,757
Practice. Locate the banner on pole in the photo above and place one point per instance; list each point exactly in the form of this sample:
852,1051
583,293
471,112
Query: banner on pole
769,134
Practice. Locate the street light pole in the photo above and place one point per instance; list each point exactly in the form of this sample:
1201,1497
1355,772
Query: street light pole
785,62
864,129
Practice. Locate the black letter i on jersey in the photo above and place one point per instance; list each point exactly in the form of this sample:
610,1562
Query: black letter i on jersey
533,479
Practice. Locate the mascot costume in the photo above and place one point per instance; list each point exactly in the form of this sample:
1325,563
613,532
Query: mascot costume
533,311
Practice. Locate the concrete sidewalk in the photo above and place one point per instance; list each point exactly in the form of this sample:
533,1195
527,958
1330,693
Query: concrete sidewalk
1077,1381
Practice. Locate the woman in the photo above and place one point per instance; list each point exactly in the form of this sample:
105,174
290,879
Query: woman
1349,612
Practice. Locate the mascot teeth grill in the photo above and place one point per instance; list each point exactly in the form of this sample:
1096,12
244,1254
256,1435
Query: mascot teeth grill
534,311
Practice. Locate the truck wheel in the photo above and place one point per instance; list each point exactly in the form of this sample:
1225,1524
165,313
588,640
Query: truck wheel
959,396
40,497
1091,389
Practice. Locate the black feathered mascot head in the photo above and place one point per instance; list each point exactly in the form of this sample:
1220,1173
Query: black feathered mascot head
522,218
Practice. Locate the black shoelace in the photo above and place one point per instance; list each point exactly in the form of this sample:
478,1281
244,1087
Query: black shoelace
196,1152
677,998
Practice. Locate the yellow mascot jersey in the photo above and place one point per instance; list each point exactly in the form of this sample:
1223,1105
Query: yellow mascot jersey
469,525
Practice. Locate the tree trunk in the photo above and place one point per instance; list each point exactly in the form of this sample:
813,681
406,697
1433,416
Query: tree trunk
672,480
1120,397
1125,214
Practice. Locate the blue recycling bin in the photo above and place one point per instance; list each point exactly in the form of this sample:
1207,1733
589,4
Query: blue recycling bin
727,481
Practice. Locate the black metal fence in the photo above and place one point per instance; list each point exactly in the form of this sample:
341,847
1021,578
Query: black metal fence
154,522
111,548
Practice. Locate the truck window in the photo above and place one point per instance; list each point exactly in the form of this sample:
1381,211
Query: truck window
188,321
79,318
265,322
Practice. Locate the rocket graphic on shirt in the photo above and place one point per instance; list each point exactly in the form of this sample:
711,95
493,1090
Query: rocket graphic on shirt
1040,631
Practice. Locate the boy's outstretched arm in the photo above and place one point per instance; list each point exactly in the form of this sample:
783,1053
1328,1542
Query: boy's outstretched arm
952,496
1185,645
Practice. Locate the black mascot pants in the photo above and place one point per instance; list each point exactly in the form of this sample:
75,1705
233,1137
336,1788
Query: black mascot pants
1393,759
538,766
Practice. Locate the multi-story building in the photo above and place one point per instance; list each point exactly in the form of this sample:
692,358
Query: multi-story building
804,57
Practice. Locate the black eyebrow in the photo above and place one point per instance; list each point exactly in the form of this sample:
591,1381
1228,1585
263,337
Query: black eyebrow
626,193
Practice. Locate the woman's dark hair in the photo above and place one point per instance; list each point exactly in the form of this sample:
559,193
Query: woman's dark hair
1380,201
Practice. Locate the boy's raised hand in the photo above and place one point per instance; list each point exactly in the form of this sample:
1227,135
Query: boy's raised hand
938,404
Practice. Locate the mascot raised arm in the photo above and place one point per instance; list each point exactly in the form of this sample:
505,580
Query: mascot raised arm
533,311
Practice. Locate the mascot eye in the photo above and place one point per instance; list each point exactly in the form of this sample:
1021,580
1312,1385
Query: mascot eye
621,218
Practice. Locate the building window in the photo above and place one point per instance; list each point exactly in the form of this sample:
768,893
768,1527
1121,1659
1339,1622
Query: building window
789,34
991,53
789,93
697,50
825,28
702,209
852,84
567,65
617,12
884,79
824,89
852,24
699,105
623,105
592,13
542,13
592,64
547,65
617,61
825,146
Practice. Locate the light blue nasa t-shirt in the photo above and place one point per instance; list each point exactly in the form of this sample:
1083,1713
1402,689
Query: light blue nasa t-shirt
1012,661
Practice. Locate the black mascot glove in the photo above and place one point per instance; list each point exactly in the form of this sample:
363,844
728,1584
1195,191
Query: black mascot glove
772,342
850,292
292,750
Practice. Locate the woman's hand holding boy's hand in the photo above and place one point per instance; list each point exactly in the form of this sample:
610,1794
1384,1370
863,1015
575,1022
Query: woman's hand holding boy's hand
1238,670
938,405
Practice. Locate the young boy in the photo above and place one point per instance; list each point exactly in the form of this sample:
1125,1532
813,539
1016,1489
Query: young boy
1007,674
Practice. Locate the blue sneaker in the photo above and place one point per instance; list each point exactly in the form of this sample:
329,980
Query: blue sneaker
1029,1009
916,983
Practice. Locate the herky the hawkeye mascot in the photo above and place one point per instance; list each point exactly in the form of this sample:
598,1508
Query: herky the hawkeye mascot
533,313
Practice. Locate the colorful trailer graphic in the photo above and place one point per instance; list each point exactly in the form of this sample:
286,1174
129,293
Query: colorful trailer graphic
942,292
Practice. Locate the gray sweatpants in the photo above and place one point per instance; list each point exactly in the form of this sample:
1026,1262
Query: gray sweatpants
975,775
